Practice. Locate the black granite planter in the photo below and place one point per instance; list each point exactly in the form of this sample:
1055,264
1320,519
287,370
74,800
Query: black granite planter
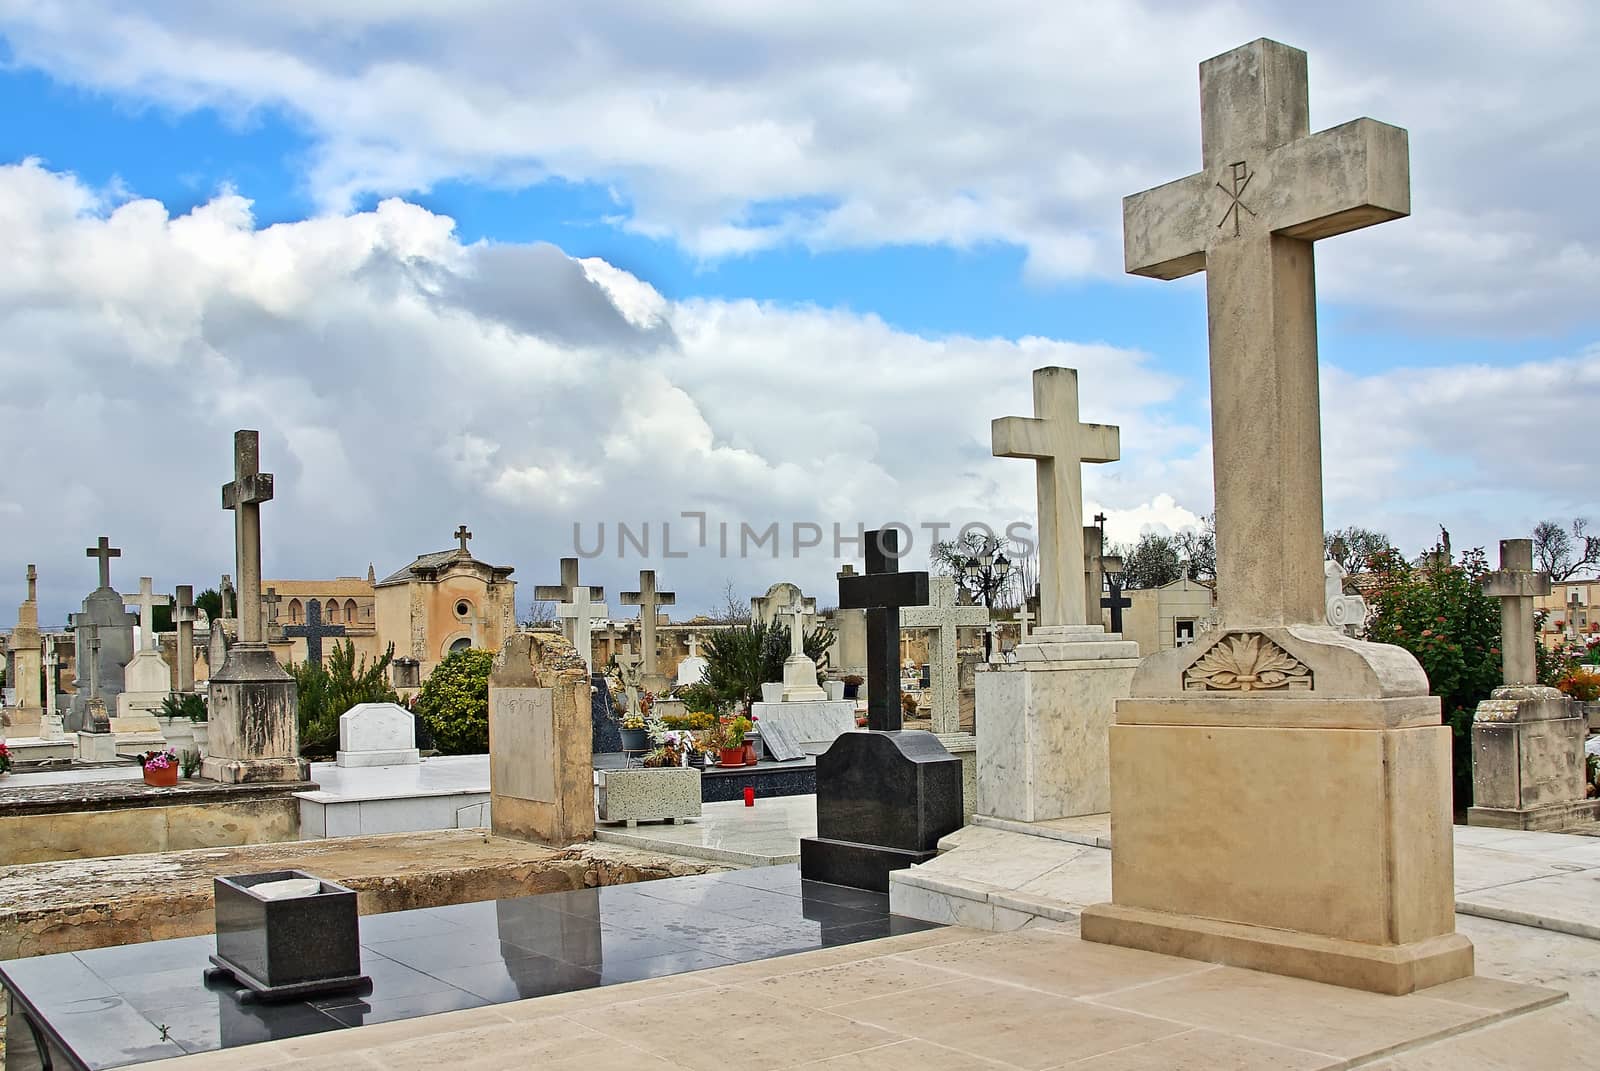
280,949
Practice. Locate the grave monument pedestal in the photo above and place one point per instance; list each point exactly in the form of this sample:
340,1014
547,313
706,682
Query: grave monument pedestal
1280,801
252,717
1044,720
1528,761
541,768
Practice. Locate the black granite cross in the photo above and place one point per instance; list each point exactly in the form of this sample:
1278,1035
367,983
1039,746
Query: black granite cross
1115,602
881,592
313,631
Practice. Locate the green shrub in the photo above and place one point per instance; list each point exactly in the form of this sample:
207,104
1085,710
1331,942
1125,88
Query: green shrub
191,705
740,660
454,702
328,690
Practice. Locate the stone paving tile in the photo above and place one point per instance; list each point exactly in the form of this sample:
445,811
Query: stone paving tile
912,1055
1206,1050
1055,962
1559,1038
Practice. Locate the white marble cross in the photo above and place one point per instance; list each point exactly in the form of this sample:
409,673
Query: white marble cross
797,611
579,617
1059,444
1025,621
1267,190
147,600
944,614
694,645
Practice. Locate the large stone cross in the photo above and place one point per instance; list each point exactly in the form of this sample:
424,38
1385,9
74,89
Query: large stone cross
1059,444
1267,190
881,592
1516,585
105,552
147,600
314,631
33,584
944,614
183,616
243,495
647,599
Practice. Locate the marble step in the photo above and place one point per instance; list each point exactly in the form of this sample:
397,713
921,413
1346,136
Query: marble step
1002,879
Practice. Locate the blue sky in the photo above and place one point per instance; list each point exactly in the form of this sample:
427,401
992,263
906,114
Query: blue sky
961,195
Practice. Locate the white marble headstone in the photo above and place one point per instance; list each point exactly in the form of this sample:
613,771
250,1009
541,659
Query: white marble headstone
377,734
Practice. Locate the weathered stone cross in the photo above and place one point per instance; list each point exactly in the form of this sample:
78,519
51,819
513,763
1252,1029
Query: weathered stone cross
183,616
147,600
249,488
1516,585
647,599
33,584
462,535
1267,191
270,600
1059,443
313,632
568,594
798,609
881,592
944,614
105,552
229,607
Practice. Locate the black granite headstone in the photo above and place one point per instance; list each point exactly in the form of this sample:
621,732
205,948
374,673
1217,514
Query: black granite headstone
884,797
290,947
883,801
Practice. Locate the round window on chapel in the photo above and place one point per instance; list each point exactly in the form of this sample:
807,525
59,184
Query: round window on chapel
463,608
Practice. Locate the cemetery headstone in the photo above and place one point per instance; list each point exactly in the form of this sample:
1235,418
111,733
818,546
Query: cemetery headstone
23,719
799,671
1528,761
1223,848
147,680
692,670
103,618
884,797
253,729
377,734
944,615
541,768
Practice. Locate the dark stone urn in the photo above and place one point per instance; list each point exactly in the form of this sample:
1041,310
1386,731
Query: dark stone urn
286,948
883,801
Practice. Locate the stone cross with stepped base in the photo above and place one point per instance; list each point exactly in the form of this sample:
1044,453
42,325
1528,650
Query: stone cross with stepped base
26,717
1527,740
648,599
1042,753
254,705
944,614
799,671
578,609
146,680
184,616
1223,847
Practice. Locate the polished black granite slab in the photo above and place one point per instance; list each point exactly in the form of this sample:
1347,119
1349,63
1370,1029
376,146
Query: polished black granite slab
113,1007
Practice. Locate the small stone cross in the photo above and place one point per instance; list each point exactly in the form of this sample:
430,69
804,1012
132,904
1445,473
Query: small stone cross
798,609
1025,621
1516,585
147,600
105,552
243,495
462,535
647,599
1268,189
1060,444
944,614
184,616
270,600
33,584
229,608
881,592
314,631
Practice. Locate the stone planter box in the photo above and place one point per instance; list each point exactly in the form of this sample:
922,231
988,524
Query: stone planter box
649,795
289,946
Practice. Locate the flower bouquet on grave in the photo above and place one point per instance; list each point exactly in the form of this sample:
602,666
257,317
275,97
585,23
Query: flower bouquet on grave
635,733
5,759
728,740
160,768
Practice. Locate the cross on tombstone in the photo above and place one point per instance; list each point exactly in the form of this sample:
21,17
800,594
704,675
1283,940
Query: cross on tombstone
184,616
578,617
1025,621
944,614
1573,602
1116,602
881,592
1268,189
1094,549
314,631
462,535
147,600
694,645
647,599
94,662
52,675
105,552
798,609
33,584
1059,444
1516,584
993,630
243,495
229,604
270,600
